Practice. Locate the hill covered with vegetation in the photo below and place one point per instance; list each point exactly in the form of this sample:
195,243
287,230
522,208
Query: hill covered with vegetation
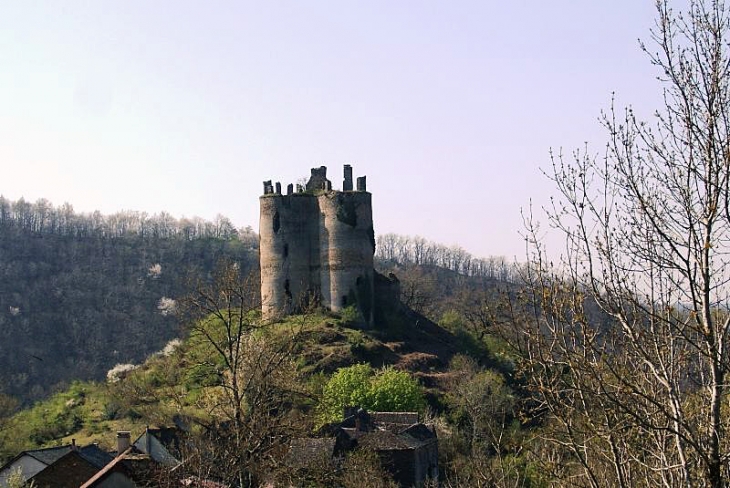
80,293
187,384
91,309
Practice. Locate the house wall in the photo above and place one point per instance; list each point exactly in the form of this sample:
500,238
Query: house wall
426,460
28,465
70,471
400,463
116,480
149,444
411,467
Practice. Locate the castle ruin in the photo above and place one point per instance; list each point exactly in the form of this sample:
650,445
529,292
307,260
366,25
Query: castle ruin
317,246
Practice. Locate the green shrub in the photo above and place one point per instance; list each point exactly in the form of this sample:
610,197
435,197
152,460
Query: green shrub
111,410
395,391
383,390
350,315
348,386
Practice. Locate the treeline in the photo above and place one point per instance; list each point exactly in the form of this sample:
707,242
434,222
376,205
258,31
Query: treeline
80,293
42,217
407,250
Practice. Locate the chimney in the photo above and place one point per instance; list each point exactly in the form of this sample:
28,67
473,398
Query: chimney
73,445
123,441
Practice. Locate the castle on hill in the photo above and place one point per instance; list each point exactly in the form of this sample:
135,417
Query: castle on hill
317,246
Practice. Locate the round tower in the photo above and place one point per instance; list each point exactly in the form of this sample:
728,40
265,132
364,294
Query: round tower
347,245
289,254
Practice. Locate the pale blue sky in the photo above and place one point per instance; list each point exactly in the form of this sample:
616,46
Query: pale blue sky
449,108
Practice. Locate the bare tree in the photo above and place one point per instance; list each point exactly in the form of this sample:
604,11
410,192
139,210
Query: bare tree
628,346
252,374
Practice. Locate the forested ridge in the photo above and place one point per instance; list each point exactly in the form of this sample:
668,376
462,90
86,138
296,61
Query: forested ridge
80,293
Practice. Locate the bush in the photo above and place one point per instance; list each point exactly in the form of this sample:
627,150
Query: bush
387,390
348,386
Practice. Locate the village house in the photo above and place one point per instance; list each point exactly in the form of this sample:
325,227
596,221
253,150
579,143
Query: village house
59,466
137,463
70,466
406,447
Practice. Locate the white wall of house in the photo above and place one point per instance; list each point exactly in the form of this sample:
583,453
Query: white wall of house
149,444
28,465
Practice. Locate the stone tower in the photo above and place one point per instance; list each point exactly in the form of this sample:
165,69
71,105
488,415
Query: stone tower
317,245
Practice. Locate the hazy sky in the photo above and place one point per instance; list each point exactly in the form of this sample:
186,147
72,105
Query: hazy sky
449,107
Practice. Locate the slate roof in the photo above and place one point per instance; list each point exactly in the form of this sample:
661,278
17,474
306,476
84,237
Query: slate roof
407,448
116,465
168,436
309,451
48,455
355,417
69,471
95,455
60,459
420,432
381,430
161,444
399,418
384,440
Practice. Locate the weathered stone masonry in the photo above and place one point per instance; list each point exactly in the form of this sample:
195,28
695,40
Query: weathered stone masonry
317,244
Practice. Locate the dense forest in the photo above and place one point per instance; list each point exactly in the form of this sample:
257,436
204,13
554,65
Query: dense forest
80,293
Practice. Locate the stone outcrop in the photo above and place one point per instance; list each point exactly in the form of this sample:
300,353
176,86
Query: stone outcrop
317,246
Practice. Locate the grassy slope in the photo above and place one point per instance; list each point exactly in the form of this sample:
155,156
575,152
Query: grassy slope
166,386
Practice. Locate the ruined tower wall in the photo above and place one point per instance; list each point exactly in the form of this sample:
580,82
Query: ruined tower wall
317,244
346,251
289,250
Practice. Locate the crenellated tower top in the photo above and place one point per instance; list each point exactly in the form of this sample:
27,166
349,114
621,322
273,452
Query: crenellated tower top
318,182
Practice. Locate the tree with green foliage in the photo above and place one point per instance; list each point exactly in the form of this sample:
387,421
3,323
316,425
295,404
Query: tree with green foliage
385,390
392,390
